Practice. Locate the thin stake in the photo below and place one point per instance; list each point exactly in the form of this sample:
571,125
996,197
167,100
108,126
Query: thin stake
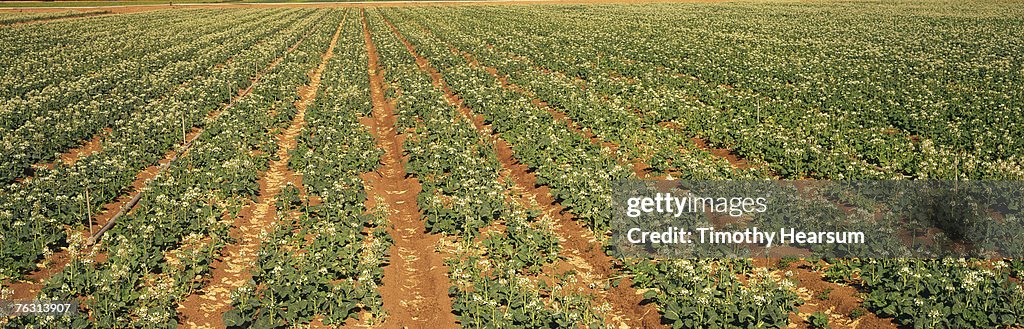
88,209
183,135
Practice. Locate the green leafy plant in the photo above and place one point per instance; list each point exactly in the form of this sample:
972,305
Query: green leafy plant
819,320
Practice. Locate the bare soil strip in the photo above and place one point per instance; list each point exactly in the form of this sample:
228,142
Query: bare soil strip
836,301
95,145
90,147
731,156
639,167
106,218
29,287
34,281
583,250
415,284
204,308
838,306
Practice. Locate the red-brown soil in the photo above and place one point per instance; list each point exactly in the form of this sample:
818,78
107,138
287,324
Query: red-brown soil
415,284
727,154
89,147
836,301
204,309
584,252
92,146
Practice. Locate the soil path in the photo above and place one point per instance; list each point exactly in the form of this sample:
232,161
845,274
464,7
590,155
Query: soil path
834,300
584,252
415,284
68,158
95,145
92,146
639,167
204,309
34,281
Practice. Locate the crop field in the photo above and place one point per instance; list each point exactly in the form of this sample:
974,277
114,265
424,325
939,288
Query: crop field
444,166
9,18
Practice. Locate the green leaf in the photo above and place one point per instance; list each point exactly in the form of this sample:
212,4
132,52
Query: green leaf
232,318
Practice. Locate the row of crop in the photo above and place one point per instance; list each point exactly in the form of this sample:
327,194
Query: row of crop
13,18
50,123
36,212
541,143
28,66
664,150
660,101
707,293
764,301
36,85
948,293
494,274
796,138
158,254
577,170
593,85
461,193
325,259
888,72
941,310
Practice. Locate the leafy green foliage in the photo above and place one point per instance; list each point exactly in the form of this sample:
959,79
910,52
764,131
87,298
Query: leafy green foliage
325,259
463,195
707,293
34,212
937,293
819,320
159,252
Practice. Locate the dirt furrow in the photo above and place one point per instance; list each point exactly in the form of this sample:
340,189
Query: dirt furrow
415,284
126,203
583,249
89,147
639,167
95,145
92,146
836,301
841,300
731,156
231,271
34,281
